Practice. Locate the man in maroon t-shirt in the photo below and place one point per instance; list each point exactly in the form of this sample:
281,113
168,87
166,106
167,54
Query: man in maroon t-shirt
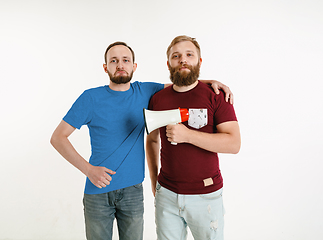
188,189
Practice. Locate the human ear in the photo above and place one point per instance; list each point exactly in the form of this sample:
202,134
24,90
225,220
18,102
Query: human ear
105,67
134,67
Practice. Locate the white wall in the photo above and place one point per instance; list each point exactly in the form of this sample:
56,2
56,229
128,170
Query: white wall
269,52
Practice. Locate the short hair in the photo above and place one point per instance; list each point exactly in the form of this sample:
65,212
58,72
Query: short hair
183,38
116,44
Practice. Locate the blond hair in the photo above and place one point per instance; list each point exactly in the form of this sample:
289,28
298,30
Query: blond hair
183,38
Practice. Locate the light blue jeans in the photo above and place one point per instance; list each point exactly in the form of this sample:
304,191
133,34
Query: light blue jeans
126,205
203,214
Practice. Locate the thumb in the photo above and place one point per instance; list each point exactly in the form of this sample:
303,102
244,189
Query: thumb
109,171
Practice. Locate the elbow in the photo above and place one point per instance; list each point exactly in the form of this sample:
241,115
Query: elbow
54,140
236,147
235,150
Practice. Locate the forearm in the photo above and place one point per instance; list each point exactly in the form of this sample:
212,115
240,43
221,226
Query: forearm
66,149
152,154
215,142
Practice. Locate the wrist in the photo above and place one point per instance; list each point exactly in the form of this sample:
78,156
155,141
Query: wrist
189,136
87,168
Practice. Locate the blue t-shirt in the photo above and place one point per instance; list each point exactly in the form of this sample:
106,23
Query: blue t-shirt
116,125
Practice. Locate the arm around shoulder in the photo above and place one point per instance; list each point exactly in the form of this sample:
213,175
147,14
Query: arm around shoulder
216,85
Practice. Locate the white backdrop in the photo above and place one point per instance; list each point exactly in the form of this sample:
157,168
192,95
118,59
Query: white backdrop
270,54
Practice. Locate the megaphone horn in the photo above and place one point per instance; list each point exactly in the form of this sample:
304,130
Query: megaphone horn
157,119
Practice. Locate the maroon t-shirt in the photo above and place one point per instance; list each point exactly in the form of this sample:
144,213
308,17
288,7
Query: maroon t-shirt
185,166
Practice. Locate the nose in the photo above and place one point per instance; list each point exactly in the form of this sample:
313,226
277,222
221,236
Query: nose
120,65
183,60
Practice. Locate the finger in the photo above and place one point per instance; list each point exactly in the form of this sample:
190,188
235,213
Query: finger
104,179
110,171
217,91
106,182
228,94
216,88
108,178
231,99
227,97
169,127
168,133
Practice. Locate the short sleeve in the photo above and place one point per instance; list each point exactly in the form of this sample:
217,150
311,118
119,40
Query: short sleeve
224,111
81,111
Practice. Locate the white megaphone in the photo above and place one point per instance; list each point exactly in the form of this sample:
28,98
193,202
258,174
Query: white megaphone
157,119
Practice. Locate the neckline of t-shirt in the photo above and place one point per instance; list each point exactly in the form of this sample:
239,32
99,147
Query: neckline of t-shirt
117,92
198,84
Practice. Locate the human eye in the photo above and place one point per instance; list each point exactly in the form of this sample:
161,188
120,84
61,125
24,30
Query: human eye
175,56
113,61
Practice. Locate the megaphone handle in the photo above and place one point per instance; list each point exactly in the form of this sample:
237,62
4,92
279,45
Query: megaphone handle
174,143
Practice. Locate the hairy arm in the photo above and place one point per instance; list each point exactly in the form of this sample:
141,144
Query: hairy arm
99,176
152,154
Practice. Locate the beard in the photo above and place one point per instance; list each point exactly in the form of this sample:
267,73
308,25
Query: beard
183,78
120,79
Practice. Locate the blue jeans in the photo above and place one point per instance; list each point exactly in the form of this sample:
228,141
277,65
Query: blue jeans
202,213
126,205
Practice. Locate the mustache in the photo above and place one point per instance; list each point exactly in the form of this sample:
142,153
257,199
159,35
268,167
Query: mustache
183,65
121,71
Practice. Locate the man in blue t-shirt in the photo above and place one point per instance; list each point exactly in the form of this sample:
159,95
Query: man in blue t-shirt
115,170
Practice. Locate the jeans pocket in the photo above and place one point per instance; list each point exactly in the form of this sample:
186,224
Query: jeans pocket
158,187
139,185
213,195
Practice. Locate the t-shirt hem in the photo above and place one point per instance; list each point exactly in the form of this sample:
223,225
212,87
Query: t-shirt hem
193,190
93,191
